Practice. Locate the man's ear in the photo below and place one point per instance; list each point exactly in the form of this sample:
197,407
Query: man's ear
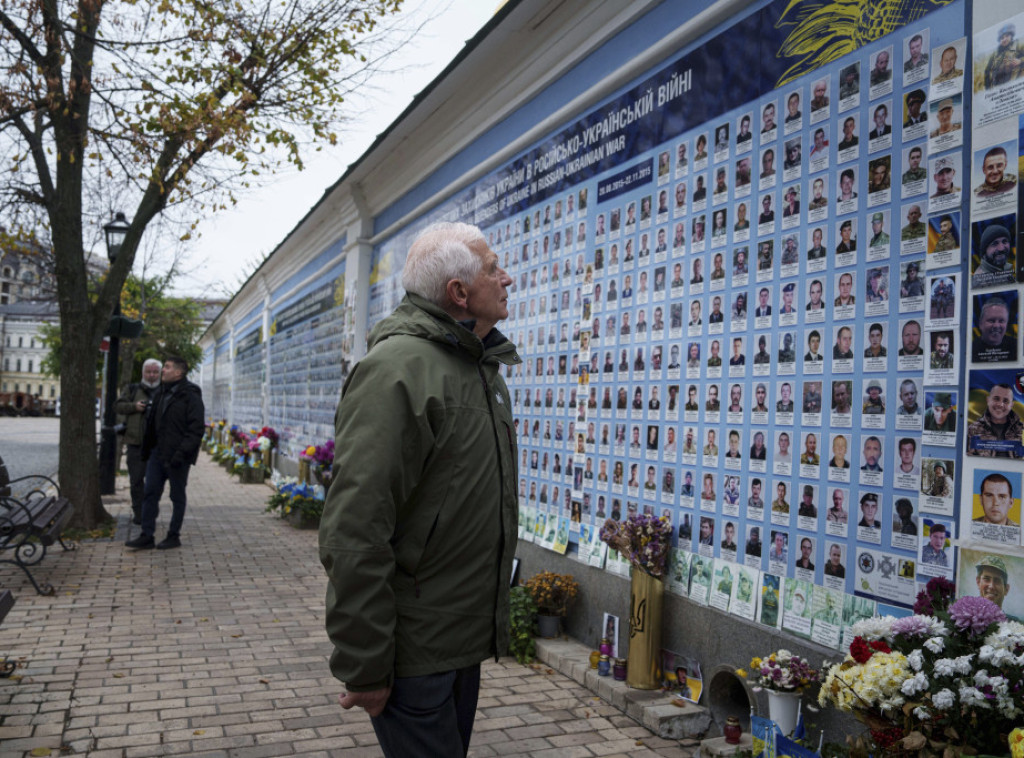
457,293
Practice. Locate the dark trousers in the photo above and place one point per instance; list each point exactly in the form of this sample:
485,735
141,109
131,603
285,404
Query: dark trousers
157,474
430,716
136,476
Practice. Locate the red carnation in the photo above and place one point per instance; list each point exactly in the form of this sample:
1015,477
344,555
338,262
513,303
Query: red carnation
860,651
881,647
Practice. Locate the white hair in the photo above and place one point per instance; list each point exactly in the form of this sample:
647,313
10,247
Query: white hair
439,254
148,361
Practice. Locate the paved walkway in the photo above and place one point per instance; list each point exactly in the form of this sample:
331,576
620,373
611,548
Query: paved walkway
218,649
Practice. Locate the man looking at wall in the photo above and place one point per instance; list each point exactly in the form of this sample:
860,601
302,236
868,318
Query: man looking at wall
419,527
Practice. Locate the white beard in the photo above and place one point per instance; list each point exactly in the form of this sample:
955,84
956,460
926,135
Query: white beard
150,385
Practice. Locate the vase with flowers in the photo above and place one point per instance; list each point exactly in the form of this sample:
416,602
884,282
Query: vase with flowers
645,541
783,676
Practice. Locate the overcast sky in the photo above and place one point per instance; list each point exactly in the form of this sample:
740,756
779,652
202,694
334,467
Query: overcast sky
264,216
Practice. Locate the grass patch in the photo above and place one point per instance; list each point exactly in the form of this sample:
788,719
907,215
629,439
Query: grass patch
104,531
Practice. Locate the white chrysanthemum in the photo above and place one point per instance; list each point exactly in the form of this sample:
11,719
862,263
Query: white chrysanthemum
985,653
922,714
963,664
916,660
944,699
935,644
875,628
943,667
915,684
1009,636
969,696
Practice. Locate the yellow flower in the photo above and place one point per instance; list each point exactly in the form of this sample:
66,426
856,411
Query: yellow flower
755,663
311,450
1017,743
741,673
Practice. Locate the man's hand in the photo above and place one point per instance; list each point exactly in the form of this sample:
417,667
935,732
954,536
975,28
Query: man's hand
372,702
141,406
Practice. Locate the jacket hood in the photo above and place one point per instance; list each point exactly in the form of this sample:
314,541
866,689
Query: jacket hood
417,317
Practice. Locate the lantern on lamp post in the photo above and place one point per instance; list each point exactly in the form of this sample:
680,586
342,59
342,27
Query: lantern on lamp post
114,234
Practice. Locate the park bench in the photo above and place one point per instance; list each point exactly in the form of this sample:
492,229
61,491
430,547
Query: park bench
31,521
6,603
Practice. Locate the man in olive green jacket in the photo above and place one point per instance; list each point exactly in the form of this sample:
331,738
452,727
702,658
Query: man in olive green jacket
419,528
132,407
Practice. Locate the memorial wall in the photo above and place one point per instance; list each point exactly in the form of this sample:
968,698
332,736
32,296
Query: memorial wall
742,293
769,290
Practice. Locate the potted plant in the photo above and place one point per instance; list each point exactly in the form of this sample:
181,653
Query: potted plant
553,593
783,676
645,541
943,682
522,612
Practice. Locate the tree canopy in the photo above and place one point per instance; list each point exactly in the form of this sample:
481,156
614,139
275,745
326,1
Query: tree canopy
157,109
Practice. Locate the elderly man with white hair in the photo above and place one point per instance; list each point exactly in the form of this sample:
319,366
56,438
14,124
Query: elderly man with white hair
131,407
419,526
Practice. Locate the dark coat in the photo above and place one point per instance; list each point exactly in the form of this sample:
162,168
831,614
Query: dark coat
180,424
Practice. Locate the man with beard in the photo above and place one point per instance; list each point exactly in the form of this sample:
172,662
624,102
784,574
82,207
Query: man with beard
941,416
915,227
997,180
941,357
912,286
994,265
1007,62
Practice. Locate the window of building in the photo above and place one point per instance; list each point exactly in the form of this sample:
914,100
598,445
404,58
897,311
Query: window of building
18,367
21,341
30,365
53,390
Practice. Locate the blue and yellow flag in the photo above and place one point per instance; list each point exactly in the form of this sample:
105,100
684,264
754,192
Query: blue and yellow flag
763,733
787,748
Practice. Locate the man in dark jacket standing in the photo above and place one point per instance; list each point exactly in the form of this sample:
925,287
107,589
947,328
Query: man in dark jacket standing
419,527
132,405
174,431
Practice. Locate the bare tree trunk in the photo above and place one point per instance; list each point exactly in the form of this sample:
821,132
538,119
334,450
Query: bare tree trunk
79,467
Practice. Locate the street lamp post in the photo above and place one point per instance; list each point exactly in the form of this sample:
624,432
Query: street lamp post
114,232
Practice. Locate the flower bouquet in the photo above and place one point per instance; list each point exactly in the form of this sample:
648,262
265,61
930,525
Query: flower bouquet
645,540
297,502
782,671
948,682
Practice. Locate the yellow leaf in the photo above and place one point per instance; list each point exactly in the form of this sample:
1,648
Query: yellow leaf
199,731
119,675
41,751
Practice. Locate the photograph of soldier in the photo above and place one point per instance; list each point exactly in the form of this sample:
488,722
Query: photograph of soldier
847,238
937,478
849,81
768,124
787,349
914,112
915,59
903,521
944,185
819,147
843,347
838,460
944,233
793,154
990,576
876,342
997,431
877,289
873,399
940,412
1006,63
880,72
743,174
994,336
910,338
945,68
914,228
762,357
743,133
942,350
844,286
793,112
878,174
819,92
868,511
850,138
912,285
933,550
765,255
909,408
997,182
701,151
760,397
815,291
993,259
947,118
812,397
995,502
942,300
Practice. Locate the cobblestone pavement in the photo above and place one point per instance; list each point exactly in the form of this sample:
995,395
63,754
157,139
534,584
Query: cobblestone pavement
218,649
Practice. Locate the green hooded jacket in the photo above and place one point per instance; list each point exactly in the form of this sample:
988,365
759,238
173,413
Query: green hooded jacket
420,524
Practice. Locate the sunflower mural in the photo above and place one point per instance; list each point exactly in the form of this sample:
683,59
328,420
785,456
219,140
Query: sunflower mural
823,31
